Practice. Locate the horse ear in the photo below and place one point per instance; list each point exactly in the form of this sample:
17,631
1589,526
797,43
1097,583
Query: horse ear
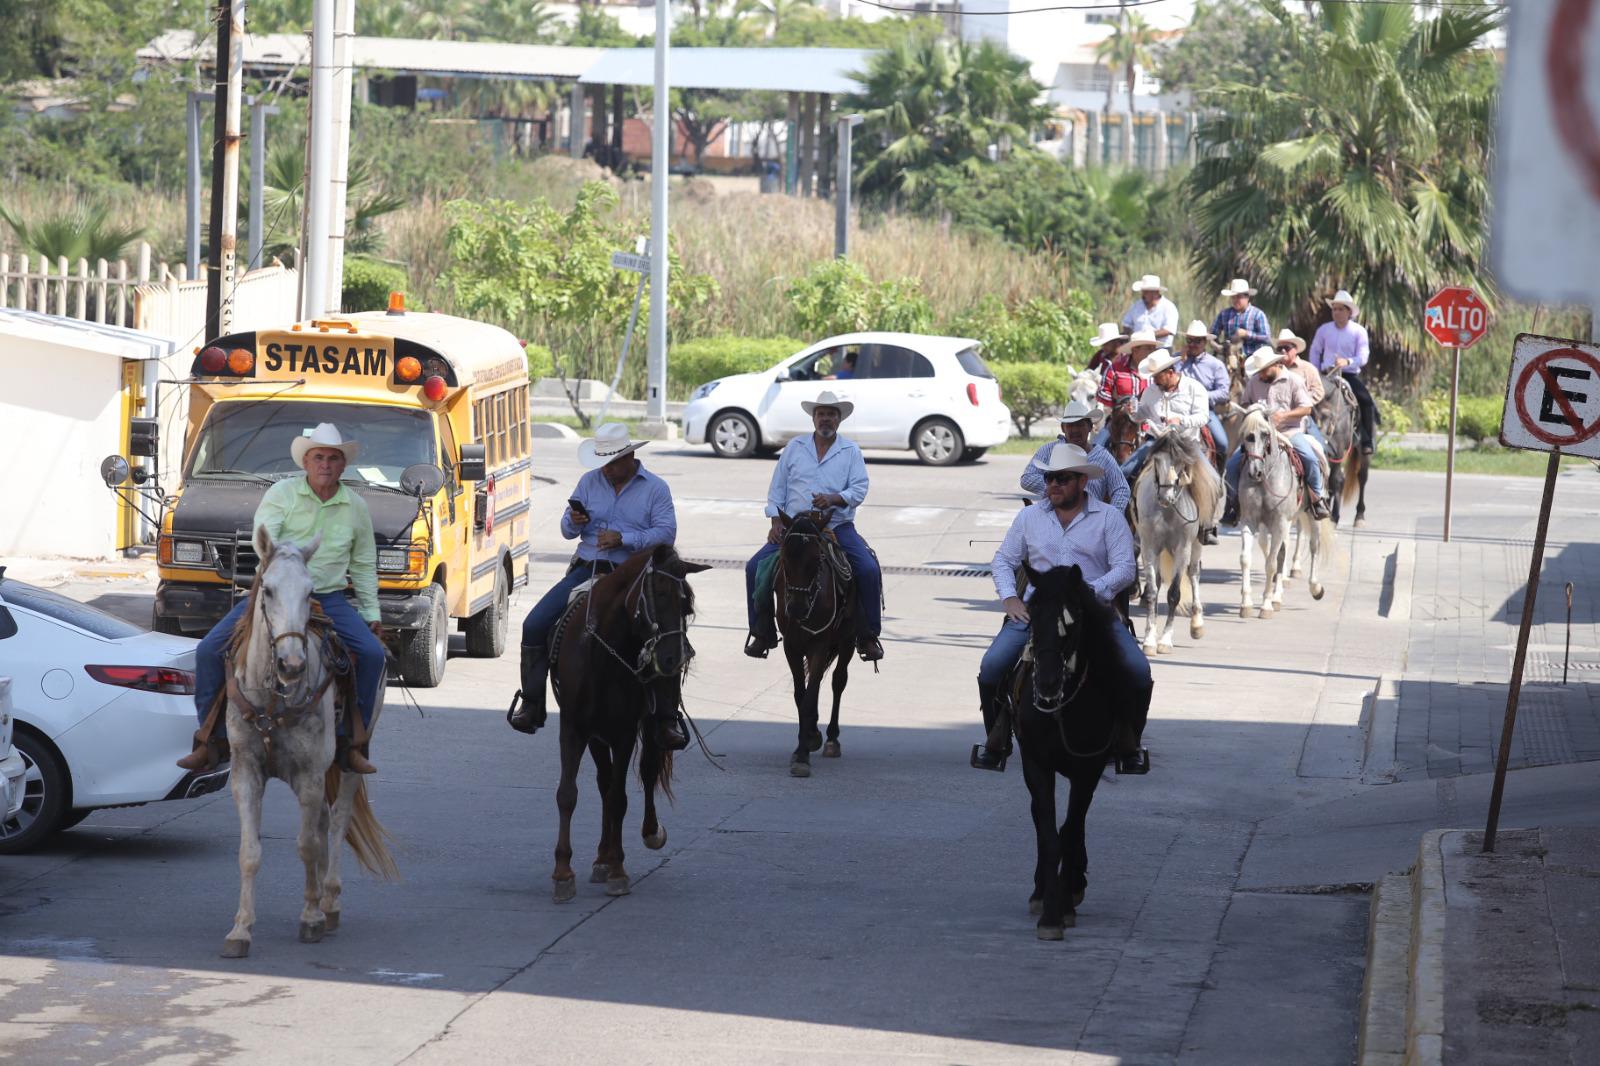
309,548
695,568
263,543
1033,575
785,519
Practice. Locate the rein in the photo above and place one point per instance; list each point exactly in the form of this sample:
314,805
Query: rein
813,590
279,711
646,667
1060,700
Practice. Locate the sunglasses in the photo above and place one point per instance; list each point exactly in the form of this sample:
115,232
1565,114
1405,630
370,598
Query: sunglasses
1286,348
1060,477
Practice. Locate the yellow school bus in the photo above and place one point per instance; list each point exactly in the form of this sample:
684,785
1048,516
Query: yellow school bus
440,407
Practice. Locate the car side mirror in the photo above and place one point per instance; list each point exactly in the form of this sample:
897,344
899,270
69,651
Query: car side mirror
422,479
473,464
784,375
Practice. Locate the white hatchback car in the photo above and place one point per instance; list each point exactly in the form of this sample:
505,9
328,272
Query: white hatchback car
933,395
101,710
12,769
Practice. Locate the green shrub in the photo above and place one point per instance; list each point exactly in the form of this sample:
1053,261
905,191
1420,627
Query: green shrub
1478,417
692,363
1036,330
1395,419
1433,412
541,364
1033,391
837,296
368,283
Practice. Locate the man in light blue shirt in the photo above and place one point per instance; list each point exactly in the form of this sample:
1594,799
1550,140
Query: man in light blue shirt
1152,310
822,471
618,508
1068,527
1078,420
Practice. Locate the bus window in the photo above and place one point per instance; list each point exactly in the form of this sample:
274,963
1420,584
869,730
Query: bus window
447,445
253,436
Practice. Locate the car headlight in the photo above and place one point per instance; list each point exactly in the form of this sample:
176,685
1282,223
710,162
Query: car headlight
189,551
704,390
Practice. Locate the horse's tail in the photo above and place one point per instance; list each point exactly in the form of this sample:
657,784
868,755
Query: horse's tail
1352,471
366,835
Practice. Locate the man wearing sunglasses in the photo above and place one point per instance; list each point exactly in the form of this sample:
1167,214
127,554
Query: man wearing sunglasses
1069,527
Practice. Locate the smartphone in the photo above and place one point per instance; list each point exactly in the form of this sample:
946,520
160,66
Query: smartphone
578,507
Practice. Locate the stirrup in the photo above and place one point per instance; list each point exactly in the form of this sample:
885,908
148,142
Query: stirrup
757,646
870,649
985,759
1136,763
671,732
515,718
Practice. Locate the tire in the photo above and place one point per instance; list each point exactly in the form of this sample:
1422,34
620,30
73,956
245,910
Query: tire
72,818
46,801
422,663
486,630
160,623
733,435
972,455
938,442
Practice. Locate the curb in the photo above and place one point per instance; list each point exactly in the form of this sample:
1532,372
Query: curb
554,430
1378,761
1382,1037
1405,568
1425,1004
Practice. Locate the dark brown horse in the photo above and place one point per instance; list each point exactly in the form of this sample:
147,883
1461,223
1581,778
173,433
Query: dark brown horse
1123,430
1340,418
816,613
620,652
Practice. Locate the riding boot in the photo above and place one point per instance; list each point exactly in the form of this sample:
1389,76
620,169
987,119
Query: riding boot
527,713
996,747
208,753
1230,514
870,648
672,732
352,757
1319,507
1208,535
764,637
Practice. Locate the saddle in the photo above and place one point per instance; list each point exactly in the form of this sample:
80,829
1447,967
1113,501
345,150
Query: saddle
1209,443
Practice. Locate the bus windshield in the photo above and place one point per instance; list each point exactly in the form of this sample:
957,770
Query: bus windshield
250,439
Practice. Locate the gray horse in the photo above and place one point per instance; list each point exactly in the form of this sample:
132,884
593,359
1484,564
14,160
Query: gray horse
1178,493
1272,498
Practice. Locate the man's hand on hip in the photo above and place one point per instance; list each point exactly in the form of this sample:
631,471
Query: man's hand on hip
1016,610
377,629
775,534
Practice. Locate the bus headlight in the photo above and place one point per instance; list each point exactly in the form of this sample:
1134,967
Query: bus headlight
175,552
411,560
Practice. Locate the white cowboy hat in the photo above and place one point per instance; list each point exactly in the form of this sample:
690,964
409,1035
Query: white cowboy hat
1109,333
1286,336
1068,457
610,441
1343,297
1077,411
1157,361
1260,359
1198,328
828,399
1238,287
326,435
1140,336
1148,282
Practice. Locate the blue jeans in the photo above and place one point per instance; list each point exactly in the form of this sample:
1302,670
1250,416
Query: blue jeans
1308,458
1218,434
547,612
1135,461
1008,644
869,580
210,668
1316,431
1102,438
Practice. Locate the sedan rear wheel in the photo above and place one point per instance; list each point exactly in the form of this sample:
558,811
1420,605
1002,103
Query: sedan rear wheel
733,435
44,801
938,442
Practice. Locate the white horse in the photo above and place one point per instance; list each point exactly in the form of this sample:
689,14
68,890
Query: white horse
1178,493
281,718
1272,500
1084,386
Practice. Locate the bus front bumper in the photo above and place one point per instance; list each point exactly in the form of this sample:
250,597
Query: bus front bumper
196,608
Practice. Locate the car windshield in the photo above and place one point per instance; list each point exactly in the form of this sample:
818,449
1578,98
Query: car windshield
252,437
973,363
59,607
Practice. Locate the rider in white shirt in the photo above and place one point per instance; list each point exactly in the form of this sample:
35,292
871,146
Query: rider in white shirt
1171,400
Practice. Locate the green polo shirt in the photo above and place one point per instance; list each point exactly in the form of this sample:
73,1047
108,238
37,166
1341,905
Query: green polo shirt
291,511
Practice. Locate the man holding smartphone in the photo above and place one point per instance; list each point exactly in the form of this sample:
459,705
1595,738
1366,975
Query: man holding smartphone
617,509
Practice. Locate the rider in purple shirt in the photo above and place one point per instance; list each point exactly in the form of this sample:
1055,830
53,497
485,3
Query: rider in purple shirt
1342,345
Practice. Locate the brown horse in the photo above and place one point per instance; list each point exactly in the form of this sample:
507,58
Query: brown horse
620,651
1340,419
1123,429
816,615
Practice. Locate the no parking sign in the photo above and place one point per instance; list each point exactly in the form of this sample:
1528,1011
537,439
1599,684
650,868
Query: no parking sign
1553,397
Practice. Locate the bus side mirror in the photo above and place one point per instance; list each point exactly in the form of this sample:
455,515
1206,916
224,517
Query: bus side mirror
114,471
473,464
144,436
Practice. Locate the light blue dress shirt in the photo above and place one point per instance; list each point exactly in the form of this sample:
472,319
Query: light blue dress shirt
1331,343
642,512
1163,316
1098,541
1110,487
800,475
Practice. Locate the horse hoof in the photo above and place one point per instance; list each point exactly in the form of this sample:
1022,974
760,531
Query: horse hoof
1317,591
799,769
1360,521
1265,612
235,949
1164,649
618,886
600,873
657,841
1036,907
1246,612
311,932
330,921
1196,632
1050,932
831,750
1297,572
813,741
565,891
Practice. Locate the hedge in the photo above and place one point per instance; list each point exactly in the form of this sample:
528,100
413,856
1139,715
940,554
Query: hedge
1033,391
367,284
692,363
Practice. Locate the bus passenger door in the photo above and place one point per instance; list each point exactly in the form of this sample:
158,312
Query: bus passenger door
455,524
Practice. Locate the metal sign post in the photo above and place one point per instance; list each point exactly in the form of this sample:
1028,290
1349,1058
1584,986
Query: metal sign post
1456,318
640,264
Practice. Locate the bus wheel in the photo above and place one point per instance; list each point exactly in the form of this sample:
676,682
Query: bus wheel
486,630
422,664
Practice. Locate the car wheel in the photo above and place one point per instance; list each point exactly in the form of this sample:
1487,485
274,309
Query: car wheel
733,435
486,630
44,802
72,818
422,664
938,442
972,455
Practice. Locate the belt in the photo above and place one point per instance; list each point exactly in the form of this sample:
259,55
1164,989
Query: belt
596,566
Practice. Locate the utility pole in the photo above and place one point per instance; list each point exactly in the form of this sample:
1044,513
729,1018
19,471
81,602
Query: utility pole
660,242
221,258
344,28
314,238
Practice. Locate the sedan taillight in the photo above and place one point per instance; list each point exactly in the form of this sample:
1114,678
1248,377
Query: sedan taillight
145,678
972,392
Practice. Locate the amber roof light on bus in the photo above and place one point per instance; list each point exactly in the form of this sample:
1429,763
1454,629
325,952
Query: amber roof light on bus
397,303
241,360
408,369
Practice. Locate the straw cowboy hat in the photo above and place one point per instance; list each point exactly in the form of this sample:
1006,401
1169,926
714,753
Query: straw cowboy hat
1109,333
1286,336
325,435
1198,330
1157,361
1343,297
1068,458
1077,411
1260,359
1239,287
610,442
1148,282
1146,337
828,399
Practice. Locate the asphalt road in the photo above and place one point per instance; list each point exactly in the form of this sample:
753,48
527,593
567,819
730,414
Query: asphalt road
874,912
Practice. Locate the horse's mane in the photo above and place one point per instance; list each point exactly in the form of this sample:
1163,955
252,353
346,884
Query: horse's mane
1257,422
1065,584
1185,449
619,581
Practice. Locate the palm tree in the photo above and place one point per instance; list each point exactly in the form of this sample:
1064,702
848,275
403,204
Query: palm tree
283,187
931,103
1129,48
1369,173
78,231
773,14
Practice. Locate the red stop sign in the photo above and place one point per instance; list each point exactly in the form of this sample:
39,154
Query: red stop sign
1455,317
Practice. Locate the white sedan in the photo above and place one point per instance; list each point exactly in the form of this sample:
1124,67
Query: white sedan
12,769
932,395
101,710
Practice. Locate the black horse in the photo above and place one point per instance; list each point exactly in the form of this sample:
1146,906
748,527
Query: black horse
816,615
1072,711
619,653
1340,418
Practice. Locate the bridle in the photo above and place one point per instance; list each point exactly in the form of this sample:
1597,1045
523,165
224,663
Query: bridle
1051,704
812,591
280,709
1170,494
1256,458
646,666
